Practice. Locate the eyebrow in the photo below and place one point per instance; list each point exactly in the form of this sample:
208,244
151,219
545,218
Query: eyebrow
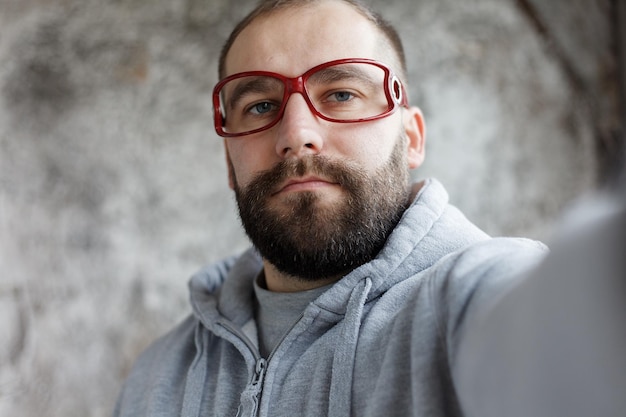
329,75
255,85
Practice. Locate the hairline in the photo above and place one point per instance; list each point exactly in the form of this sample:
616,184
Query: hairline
264,8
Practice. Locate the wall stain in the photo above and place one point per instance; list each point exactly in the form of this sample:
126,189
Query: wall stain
39,87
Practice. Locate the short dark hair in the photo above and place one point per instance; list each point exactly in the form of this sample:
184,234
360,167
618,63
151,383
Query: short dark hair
265,7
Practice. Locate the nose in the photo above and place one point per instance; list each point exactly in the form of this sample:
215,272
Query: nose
299,131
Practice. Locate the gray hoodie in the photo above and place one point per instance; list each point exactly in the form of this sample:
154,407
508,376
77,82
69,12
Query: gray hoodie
382,341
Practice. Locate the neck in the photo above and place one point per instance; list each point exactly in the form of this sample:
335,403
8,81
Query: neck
277,281
416,188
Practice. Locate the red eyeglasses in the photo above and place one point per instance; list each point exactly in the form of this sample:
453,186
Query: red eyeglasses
347,90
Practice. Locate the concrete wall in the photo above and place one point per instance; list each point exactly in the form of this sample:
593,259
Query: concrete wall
113,187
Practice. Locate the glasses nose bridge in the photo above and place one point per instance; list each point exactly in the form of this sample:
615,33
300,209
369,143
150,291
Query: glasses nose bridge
296,85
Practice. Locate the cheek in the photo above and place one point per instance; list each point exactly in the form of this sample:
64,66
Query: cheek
248,157
370,145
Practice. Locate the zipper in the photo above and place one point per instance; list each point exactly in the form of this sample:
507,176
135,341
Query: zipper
261,363
259,372
282,339
245,339
257,383
259,369
251,347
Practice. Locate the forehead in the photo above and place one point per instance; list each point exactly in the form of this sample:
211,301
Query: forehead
292,40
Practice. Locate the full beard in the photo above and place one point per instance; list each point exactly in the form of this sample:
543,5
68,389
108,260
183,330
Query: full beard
308,239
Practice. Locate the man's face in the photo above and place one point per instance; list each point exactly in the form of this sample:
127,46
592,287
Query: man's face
309,182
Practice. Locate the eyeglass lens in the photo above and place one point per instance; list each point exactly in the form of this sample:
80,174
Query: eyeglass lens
343,92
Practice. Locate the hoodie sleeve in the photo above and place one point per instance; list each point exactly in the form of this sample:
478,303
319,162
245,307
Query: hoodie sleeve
472,281
554,345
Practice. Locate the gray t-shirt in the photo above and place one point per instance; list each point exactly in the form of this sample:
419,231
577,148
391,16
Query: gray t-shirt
277,312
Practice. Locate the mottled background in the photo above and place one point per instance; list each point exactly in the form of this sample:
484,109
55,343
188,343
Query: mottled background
113,188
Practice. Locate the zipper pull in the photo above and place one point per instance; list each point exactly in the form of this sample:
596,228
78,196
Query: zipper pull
259,372
257,386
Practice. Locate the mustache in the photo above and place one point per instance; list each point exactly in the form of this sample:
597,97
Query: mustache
347,175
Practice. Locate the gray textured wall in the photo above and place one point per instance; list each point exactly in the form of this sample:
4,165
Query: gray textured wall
113,187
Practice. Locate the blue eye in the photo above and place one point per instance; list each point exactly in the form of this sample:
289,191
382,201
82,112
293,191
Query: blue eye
342,96
262,108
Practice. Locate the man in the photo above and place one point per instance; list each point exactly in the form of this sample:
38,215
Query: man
355,298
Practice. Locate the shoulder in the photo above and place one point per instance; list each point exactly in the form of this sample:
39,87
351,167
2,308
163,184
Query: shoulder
469,281
179,341
468,278
491,259
165,361
487,266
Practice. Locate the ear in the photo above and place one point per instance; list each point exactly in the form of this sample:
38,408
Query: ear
229,166
415,130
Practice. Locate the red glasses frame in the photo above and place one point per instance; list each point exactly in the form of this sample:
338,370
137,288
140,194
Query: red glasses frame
394,91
